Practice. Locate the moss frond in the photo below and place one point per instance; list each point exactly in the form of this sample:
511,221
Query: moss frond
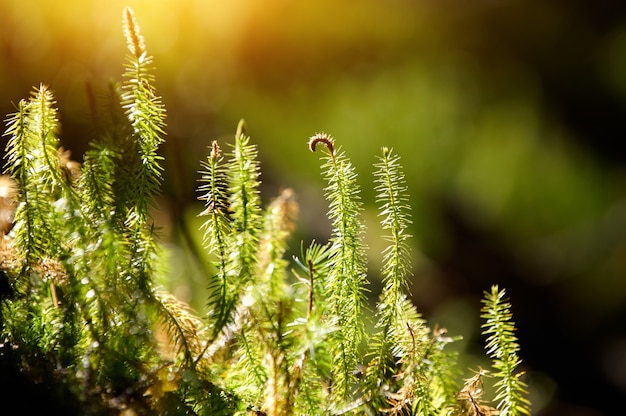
503,348
245,204
395,213
279,223
96,183
345,283
313,362
32,160
146,115
391,313
232,203
217,235
184,327
395,210
470,400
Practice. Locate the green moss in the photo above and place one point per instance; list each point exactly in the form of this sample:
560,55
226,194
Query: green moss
88,328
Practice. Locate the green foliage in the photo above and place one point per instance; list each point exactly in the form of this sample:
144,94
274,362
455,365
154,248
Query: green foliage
344,284
502,347
404,346
82,312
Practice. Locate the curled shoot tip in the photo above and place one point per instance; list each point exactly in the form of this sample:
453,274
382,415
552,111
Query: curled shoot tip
327,140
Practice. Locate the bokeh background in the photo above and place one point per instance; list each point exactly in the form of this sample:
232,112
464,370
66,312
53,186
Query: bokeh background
509,117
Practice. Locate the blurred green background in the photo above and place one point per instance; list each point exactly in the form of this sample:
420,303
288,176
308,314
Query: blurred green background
509,117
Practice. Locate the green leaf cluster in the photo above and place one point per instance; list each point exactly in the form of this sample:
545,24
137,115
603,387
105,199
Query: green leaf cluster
82,313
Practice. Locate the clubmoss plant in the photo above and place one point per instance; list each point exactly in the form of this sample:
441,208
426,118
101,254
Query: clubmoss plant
503,349
344,284
88,329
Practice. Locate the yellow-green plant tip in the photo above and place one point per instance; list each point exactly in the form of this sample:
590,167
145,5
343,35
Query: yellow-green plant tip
134,40
242,128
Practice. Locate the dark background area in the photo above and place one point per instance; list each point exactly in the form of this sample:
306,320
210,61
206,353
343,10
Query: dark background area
509,117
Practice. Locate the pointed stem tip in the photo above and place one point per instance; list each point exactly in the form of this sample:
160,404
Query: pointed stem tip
135,41
242,128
